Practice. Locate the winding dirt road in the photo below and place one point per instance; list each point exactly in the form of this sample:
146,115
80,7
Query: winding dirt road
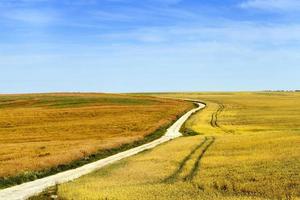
26,190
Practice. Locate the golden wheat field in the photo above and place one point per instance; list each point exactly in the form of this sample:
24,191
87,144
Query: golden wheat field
40,131
248,147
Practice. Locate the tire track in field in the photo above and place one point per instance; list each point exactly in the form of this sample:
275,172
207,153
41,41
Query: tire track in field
215,116
198,152
183,163
196,168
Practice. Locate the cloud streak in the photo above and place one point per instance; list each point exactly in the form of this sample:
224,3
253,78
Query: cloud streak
229,32
272,5
30,16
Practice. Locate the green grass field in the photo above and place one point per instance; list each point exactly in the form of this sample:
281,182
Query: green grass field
248,147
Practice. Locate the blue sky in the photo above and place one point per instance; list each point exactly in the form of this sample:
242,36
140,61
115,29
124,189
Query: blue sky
149,45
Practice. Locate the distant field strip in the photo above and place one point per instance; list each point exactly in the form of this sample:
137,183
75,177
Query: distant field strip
194,156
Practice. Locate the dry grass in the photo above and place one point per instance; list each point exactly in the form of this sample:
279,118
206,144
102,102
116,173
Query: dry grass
146,176
243,113
250,149
40,131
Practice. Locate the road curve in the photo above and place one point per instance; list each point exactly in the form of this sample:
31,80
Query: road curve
26,190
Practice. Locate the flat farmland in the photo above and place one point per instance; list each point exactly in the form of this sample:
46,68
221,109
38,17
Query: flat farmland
247,147
45,131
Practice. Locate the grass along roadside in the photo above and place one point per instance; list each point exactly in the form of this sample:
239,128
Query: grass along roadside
33,175
132,173
186,131
153,106
147,176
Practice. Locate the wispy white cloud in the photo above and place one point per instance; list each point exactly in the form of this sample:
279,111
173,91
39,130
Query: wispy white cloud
140,14
147,1
35,12
227,32
11,3
272,5
168,1
30,16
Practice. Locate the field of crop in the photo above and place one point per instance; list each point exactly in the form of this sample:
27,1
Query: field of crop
248,148
45,131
